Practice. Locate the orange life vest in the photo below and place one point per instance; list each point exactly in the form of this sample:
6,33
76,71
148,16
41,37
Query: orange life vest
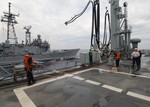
118,55
26,62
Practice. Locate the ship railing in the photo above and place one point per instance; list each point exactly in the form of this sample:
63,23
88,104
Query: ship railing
4,73
41,69
19,71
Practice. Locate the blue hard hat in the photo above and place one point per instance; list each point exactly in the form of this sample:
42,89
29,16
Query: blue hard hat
30,52
117,50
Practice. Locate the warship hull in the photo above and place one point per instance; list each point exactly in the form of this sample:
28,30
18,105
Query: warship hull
63,54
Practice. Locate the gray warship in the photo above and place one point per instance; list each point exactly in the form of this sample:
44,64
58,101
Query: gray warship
13,52
97,85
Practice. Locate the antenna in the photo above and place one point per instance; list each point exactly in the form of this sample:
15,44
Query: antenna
10,19
28,35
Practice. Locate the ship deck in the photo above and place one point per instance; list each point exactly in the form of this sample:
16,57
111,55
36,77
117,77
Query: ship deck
95,86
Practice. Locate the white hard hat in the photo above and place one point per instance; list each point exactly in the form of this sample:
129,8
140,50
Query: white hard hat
136,49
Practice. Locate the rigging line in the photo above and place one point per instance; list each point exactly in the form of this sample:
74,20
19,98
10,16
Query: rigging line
93,24
95,21
92,31
104,28
96,17
109,29
105,41
78,15
105,32
98,21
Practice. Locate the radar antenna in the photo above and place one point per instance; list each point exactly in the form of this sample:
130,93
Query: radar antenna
28,35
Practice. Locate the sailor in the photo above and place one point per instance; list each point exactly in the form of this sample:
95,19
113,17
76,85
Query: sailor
28,65
135,58
117,57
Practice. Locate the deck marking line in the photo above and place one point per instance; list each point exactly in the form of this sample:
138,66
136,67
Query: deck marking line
69,75
103,70
93,82
24,100
79,78
142,76
82,71
61,77
40,83
47,81
143,97
112,88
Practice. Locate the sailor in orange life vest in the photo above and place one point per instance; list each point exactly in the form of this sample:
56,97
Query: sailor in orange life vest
117,57
28,65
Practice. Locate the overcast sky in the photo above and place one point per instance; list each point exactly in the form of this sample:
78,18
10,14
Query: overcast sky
47,17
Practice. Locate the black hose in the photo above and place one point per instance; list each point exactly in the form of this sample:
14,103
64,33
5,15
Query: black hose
95,30
106,40
78,15
96,23
92,31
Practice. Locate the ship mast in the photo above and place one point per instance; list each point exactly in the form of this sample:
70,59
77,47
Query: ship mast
10,19
120,30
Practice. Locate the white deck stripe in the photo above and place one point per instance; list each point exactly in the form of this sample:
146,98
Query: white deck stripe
143,97
79,78
23,98
112,88
82,71
142,76
26,102
103,70
69,75
93,82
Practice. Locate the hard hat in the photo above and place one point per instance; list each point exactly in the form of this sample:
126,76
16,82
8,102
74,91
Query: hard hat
136,49
30,52
117,50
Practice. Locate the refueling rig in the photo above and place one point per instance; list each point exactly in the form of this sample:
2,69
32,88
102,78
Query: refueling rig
115,24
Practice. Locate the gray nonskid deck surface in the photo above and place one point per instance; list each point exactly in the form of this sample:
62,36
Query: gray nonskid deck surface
125,82
8,98
85,89
75,92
